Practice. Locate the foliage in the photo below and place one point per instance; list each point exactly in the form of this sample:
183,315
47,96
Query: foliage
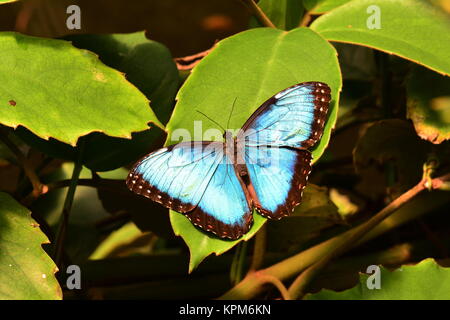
426,280
76,112
26,270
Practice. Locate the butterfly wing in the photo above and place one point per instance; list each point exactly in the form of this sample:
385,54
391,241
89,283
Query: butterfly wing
195,178
225,207
278,177
275,140
295,117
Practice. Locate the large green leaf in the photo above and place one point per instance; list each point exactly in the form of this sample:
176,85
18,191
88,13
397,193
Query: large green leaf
26,272
248,68
285,14
149,66
423,281
56,90
429,104
321,6
411,29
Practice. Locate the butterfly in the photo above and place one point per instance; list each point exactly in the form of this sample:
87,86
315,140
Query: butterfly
265,166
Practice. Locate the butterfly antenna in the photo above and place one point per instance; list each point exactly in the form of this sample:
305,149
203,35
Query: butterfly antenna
229,117
211,120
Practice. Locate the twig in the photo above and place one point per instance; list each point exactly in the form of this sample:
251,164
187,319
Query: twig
250,286
38,187
266,278
64,221
240,263
259,249
189,62
307,17
299,286
258,13
106,184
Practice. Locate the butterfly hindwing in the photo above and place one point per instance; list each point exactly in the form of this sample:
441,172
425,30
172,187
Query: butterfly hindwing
224,208
295,117
195,178
278,177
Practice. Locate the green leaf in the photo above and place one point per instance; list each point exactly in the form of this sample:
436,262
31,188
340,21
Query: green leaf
285,14
149,66
121,237
322,6
426,41
26,271
202,244
429,104
249,67
423,281
56,90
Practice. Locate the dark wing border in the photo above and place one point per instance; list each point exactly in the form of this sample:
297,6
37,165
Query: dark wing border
136,183
302,170
322,94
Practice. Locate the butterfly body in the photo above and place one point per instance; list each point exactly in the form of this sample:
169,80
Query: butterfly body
264,167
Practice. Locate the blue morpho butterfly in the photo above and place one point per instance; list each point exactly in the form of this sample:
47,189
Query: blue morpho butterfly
266,166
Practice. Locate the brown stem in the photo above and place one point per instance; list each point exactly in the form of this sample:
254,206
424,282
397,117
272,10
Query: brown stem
266,278
258,13
64,220
306,19
251,286
106,184
301,283
189,62
259,249
38,187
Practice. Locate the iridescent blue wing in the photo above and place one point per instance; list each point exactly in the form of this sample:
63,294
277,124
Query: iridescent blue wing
275,140
225,208
294,117
277,178
195,178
